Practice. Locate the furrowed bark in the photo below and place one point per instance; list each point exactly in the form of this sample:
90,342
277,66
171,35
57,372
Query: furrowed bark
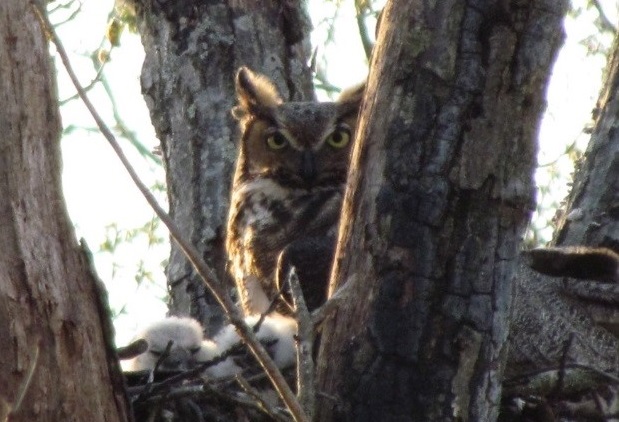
58,362
441,189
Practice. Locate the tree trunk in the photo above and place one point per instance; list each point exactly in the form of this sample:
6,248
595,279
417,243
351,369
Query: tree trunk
575,324
441,189
193,50
592,216
592,213
57,364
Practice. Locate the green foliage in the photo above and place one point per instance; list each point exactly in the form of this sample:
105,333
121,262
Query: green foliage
119,241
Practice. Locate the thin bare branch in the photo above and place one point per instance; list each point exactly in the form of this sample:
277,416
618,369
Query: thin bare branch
306,385
193,255
605,23
262,403
340,296
23,388
362,11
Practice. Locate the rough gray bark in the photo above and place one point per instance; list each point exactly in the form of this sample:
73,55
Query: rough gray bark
441,189
52,317
574,325
592,212
193,49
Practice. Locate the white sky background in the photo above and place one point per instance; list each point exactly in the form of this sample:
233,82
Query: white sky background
99,193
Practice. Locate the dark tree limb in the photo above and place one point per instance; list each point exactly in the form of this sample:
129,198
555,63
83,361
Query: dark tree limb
435,210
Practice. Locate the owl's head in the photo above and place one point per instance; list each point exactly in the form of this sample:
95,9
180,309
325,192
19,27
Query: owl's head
185,334
298,144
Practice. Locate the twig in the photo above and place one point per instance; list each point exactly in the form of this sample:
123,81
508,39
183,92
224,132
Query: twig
609,377
262,403
607,25
188,374
361,9
563,364
150,383
236,399
6,408
180,396
340,296
63,6
164,355
577,377
23,388
122,127
88,87
194,408
72,15
305,340
203,270
269,310
212,390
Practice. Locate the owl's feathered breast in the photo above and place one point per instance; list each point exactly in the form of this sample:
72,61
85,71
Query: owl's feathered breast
265,217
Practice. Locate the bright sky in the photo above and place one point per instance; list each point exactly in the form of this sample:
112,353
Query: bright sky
100,195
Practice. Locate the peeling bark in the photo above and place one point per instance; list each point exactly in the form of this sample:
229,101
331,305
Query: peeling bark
440,191
54,324
193,49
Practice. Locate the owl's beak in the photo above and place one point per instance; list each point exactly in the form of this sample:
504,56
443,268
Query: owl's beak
308,166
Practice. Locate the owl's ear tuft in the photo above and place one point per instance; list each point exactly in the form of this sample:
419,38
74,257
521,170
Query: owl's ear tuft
256,94
350,100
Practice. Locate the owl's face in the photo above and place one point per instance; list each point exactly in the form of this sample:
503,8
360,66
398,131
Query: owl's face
297,144
186,337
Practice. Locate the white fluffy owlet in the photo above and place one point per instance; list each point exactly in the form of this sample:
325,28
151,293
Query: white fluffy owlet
186,337
277,332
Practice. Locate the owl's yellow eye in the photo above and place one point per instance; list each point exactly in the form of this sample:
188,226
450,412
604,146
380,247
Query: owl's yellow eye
339,138
277,141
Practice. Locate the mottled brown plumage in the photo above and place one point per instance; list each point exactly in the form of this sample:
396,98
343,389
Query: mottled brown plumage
287,190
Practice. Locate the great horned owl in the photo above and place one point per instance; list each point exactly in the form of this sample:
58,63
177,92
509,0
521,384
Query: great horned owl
287,189
186,337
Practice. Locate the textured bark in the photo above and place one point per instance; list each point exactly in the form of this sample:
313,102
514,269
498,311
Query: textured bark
592,215
52,319
193,49
574,324
441,189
